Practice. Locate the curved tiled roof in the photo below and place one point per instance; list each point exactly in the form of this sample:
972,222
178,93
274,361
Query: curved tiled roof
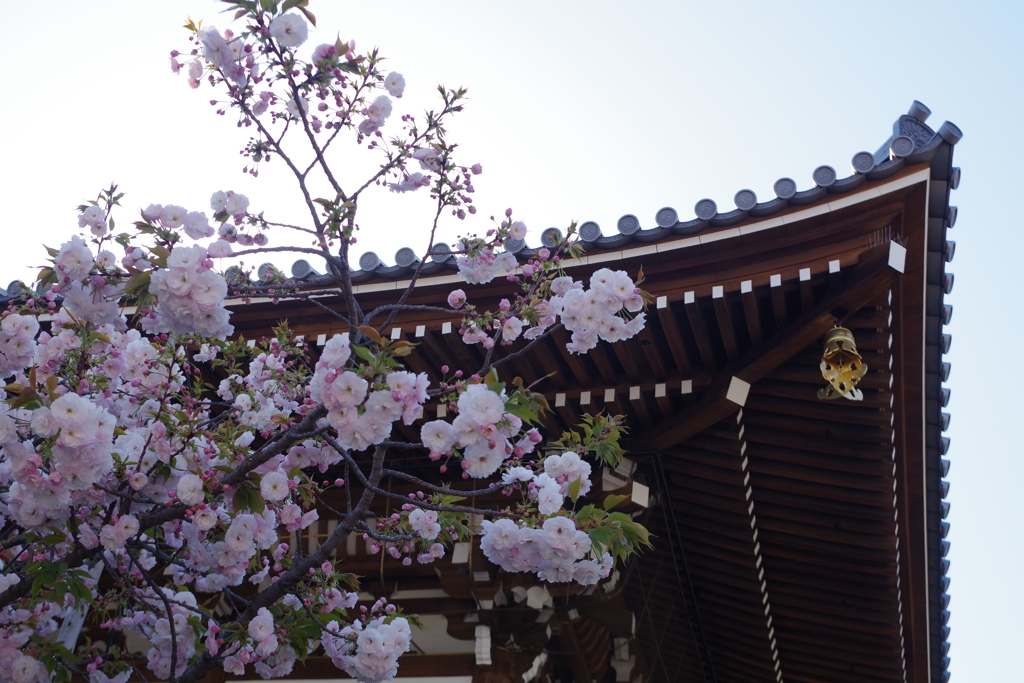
913,142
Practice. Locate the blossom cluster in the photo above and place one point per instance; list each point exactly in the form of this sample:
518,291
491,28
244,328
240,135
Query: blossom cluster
479,264
18,627
195,224
598,312
157,630
190,295
484,431
610,309
17,343
557,551
60,459
362,412
429,529
369,648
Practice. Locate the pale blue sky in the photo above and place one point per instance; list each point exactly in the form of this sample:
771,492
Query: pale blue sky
588,111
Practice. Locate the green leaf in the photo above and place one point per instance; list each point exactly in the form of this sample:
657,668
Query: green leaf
363,353
46,276
240,500
247,499
574,489
601,536
523,413
585,514
612,501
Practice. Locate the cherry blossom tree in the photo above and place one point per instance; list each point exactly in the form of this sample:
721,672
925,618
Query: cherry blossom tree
137,490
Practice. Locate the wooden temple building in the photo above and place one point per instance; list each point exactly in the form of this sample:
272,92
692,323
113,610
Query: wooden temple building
796,539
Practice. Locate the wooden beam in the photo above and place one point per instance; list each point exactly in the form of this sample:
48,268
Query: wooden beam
806,289
724,315
654,355
727,393
700,332
674,337
604,364
750,311
778,301
625,355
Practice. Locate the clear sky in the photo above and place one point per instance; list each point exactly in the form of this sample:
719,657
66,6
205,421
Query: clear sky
588,111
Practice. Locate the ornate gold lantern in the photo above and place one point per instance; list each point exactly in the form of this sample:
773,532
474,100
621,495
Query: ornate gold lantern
841,366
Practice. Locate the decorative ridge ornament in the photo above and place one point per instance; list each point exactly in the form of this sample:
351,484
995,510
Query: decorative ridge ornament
841,366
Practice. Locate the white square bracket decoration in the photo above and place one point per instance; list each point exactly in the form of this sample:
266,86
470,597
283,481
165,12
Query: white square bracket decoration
897,257
737,392
460,553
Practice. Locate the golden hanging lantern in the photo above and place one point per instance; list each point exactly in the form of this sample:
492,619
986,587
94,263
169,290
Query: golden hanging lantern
841,366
